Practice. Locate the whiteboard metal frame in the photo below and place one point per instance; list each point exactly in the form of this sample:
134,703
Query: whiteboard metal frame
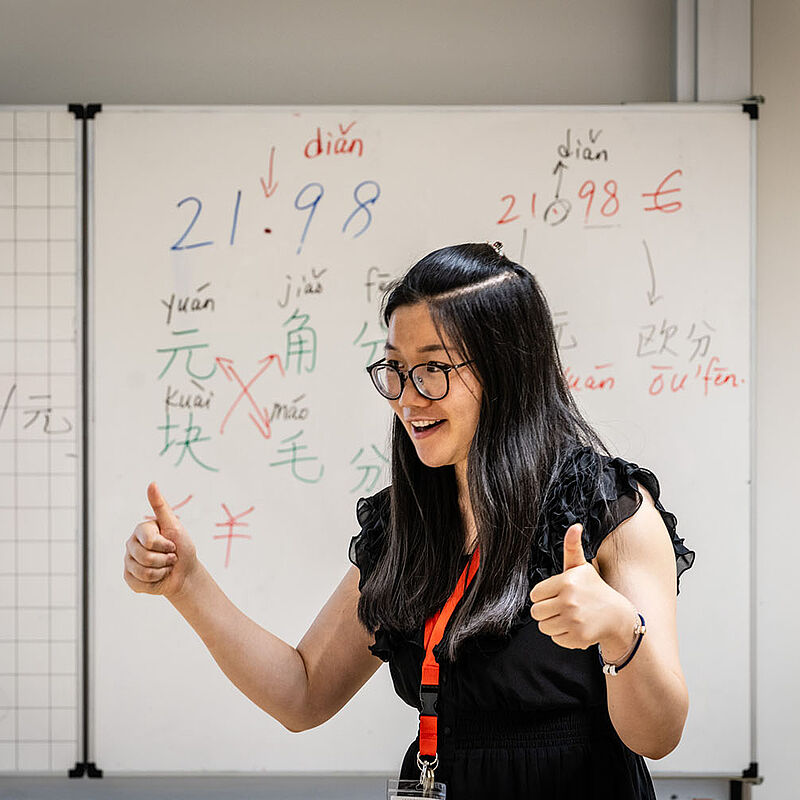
85,601
753,443
88,288
666,107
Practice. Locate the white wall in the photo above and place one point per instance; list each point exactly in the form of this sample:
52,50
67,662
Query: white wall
776,75
334,51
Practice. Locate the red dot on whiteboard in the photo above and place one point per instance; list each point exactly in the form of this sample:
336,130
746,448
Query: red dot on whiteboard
267,230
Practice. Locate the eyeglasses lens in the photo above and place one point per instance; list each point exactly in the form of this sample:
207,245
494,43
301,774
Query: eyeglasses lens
429,380
387,381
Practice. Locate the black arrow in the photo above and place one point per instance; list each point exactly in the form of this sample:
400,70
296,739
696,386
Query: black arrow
651,293
559,170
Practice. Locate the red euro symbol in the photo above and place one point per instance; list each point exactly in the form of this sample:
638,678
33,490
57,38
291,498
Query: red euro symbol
658,205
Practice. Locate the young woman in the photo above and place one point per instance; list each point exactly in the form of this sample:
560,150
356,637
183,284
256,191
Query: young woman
540,649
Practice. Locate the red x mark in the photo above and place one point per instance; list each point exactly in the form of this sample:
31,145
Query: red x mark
261,418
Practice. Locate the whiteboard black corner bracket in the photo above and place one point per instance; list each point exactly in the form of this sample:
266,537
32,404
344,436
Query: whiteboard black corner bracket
85,769
751,104
740,787
88,111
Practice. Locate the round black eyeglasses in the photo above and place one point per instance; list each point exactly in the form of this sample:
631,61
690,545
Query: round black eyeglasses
431,379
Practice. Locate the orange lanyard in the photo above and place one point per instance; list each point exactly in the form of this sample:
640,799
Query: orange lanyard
429,685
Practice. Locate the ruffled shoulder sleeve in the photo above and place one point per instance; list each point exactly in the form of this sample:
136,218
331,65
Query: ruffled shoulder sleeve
599,492
366,546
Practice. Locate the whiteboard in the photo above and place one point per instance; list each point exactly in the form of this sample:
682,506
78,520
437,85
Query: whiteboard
238,257
40,453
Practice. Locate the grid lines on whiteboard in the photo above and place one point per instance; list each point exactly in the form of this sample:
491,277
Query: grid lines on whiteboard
38,442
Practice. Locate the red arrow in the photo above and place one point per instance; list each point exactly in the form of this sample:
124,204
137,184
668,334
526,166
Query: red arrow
262,414
269,188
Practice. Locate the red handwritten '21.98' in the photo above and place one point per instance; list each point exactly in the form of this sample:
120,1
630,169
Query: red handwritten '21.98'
610,204
511,200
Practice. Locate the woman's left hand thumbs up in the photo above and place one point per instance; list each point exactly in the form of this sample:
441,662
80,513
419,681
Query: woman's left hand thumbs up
577,608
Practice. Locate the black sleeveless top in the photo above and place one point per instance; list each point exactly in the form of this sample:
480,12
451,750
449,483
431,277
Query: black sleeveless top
520,716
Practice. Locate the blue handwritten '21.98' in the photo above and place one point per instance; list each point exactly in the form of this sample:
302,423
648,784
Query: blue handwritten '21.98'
179,245
365,194
310,206
363,206
309,202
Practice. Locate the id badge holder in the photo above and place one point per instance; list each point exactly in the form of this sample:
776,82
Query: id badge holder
400,790
424,787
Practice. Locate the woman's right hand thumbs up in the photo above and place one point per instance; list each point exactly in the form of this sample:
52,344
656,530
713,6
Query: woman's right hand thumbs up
159,555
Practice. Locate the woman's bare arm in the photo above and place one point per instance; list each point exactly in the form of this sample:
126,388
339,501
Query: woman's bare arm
301,686
648,701
588,604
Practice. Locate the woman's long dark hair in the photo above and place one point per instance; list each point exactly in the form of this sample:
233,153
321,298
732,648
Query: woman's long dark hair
492,311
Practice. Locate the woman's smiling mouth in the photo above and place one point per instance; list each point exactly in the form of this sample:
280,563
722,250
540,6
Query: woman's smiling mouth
421,428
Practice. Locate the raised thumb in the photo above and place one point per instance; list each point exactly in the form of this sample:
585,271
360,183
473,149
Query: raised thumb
573,547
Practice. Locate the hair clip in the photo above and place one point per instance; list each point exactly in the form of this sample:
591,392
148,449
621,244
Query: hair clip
497,247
